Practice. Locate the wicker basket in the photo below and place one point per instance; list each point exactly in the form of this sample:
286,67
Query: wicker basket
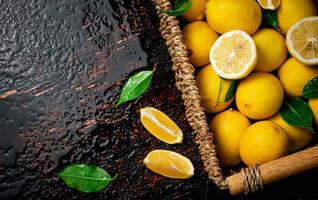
250,179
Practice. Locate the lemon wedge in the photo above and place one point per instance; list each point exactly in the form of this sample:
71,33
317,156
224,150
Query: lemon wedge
169,164
269,4
302,40
160,125
233,55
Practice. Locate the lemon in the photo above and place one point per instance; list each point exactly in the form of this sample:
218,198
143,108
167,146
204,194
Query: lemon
294,76
313,103
291,11
199,37
259,96
212,90
196,11
228,15
269,56
262,142
269,4
298,137
169,164
227,128
160,125
302,40
233,55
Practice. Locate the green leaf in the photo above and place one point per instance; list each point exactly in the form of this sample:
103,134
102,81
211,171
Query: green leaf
310,90
179,3
135,86
270,18
231,91
180,8
219,93
297,112
85,178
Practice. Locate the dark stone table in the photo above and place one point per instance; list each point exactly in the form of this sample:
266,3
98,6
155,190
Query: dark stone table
62,65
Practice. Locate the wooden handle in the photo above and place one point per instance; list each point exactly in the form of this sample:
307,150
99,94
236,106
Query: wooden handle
278,169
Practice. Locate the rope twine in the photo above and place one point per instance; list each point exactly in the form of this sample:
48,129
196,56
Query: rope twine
185,82
252,179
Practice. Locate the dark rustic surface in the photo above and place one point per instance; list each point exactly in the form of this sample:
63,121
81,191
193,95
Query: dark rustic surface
62,64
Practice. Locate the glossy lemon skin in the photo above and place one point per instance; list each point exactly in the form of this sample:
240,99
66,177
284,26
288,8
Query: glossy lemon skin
294,76
263,142
227,128
259,96
199,37
228,15
291,11
212,96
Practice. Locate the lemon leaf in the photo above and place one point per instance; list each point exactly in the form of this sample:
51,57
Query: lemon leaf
231,91
270,18
135,86
219,93
310,90
181,6
179,3
85,178
297,112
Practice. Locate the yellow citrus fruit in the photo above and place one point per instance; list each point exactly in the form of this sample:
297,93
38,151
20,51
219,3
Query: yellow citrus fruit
294,76
227,128
233,55
169,164
259,96
269,56
199,37
298,137
302,40
228,15
291,11
313,103
196,11
262,142
160,125
269,4
212,90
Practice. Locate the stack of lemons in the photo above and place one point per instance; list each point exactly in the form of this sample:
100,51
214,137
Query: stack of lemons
268,64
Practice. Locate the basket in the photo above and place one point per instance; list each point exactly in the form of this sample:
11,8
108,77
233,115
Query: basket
249,179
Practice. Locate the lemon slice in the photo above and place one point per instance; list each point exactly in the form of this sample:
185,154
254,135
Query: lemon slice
233,55
302,40
269,4
160,125
169,164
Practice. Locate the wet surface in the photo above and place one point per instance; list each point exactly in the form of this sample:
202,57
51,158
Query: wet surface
62,64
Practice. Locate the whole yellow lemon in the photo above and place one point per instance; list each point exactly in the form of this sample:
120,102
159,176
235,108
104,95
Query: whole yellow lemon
212,90
259,96
199,37
228,15
291,11
227,128
294,76
313,103
196,12
298,137
262,142
269,56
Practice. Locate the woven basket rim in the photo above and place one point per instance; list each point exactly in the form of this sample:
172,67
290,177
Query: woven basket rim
185,82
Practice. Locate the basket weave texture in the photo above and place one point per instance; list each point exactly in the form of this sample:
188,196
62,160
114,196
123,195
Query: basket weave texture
185,82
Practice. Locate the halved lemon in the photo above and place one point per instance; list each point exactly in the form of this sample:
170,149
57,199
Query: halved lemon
269,4
233,55
302,40
160,125
169,164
